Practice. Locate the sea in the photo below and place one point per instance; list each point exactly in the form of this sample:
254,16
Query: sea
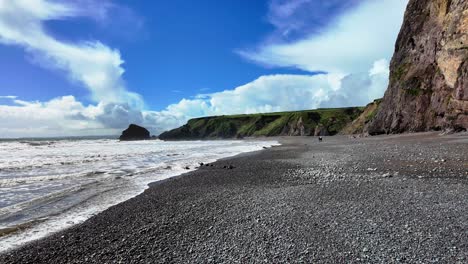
47,185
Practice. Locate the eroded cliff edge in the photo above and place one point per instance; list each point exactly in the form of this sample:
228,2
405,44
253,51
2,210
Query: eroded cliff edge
319,122
428,87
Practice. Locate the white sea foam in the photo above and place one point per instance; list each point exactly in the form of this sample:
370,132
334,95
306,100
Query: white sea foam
62,183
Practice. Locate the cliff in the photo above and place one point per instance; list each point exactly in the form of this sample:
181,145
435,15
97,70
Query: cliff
428,87
357,125
301,123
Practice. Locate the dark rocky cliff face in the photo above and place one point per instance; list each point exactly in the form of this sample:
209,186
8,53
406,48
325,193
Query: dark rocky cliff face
428,87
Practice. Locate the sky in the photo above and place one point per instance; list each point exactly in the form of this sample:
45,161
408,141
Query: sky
91,67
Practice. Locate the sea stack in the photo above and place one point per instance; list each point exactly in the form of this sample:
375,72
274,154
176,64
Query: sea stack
134,132
429,71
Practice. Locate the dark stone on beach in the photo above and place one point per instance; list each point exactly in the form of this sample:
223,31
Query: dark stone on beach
134,132
187,168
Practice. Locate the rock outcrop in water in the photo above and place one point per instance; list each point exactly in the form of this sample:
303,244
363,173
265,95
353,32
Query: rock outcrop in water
134,132
300,123
428,87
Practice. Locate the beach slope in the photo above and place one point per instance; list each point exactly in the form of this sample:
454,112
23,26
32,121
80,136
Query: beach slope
383,199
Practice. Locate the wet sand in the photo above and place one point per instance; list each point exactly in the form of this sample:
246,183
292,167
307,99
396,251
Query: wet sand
385,199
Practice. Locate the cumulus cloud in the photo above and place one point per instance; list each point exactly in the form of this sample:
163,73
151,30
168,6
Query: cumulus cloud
350,44
272,93
276,93
91,63
64,116
353,51
118,115
36,118
359,89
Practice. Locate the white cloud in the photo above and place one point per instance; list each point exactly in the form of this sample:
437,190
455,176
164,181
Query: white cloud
118,116
65,116
41,119
359,89
91,63
350,44
354,51
8,97
275,93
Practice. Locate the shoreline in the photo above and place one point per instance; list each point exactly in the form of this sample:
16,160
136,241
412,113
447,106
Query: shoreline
368,199
18,234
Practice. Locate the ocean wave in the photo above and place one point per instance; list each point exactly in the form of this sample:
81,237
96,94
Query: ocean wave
75,179
38,143
9,211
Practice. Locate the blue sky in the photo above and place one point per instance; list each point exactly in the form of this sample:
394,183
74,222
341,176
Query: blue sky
88,67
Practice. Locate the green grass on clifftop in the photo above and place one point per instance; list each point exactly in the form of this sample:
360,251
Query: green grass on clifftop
293,123
358,125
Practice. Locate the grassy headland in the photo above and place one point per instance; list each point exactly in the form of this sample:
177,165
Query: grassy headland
327,121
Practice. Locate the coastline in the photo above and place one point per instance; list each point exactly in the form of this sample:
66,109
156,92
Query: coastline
89,199
386,198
